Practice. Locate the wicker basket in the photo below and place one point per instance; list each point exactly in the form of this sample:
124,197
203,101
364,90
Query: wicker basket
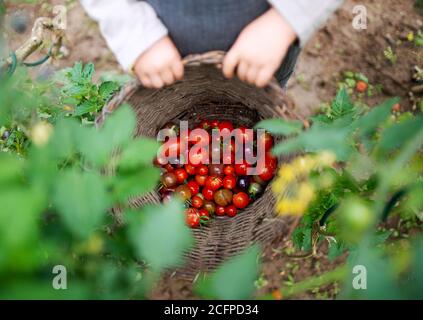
205,94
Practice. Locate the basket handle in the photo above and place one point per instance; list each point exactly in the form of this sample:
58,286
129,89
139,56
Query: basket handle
208,58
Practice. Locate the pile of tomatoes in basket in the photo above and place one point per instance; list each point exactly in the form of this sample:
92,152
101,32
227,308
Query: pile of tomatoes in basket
210,189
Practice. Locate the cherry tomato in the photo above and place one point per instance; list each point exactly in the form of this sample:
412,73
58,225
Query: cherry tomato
209,206
183,192
169,168
208,193
267,140
169,179
204,215
167,197
240,200
231,211
229,182
197,202
214,124
181,175
241,169
202,170
192,217
214,183
201,180
267,173
216,170
223,197
255,190
229,170
226,125
191,170
243,183
193,187
361,86
220,210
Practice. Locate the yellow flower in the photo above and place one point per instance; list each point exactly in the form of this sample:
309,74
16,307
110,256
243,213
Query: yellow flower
41,133
293,187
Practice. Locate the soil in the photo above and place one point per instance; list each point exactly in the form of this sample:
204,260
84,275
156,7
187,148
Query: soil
336,48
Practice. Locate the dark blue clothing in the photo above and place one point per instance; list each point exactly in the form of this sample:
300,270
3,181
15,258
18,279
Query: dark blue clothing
198,26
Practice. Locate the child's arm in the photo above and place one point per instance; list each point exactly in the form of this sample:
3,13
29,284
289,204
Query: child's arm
262,45
138,39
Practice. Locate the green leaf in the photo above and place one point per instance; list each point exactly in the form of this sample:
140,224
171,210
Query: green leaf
368,123
159,235
395,136
280,126
336,249
234,279
107,89
88,71
94,145
136,184
11,168
138,152
342,104
87,106
19,217
81,200
119,128
63,141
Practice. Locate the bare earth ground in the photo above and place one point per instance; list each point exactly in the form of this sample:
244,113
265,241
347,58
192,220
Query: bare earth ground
336,48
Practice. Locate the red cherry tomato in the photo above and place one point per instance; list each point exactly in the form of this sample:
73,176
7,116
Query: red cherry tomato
214,183
192,217
201,180
169,167
208,193
267,173
240,200
266,140
229,170
191,170
193,187
231,211
214,124
226,125
241,169
204,214
197,202
229,182
202,170
181,175
220,211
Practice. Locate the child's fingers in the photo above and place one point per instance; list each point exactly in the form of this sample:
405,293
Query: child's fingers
229,63
178,70
156,80
167,76
264,76
252,74
145,80
242,70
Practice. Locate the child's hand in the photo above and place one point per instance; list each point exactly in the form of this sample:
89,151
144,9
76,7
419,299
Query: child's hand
160,65
260,48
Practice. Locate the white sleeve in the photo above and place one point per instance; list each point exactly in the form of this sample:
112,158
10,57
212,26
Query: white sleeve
129,27
305,16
